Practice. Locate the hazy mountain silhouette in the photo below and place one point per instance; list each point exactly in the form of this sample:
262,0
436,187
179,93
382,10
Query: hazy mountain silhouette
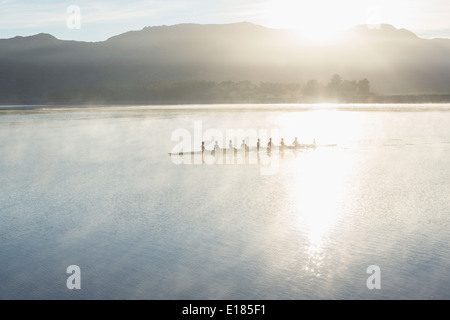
33,69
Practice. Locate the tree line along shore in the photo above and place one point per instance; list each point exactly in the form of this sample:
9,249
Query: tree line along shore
337,90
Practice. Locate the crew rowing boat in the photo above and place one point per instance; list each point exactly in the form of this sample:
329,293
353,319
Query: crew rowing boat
254,150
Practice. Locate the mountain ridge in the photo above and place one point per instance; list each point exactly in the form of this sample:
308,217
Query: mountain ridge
396,61
356,29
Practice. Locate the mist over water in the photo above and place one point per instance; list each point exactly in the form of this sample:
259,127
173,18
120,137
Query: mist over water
95,187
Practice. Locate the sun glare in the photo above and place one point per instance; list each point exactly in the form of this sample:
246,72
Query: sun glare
316,21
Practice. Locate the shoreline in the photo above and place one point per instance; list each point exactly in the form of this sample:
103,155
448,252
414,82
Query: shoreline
286,107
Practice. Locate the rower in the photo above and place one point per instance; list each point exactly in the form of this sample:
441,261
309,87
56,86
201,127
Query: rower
216,146
230,145
269,145
258,145
203,147
282,143
243,144
295,143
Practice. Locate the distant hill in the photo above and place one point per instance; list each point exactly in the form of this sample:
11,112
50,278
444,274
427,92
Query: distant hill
42,69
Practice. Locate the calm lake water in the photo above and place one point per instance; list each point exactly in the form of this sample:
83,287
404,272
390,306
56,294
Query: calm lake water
95,187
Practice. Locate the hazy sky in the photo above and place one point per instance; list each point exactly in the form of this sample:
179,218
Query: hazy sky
102,19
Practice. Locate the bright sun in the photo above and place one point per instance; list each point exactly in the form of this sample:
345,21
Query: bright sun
317,21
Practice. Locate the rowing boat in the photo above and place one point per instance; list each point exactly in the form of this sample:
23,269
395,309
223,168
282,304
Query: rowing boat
254,150
212,152
185,153
308,146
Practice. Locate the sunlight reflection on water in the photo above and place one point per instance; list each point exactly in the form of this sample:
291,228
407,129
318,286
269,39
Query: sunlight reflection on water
98,188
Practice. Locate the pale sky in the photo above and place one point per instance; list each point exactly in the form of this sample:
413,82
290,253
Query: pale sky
99,20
